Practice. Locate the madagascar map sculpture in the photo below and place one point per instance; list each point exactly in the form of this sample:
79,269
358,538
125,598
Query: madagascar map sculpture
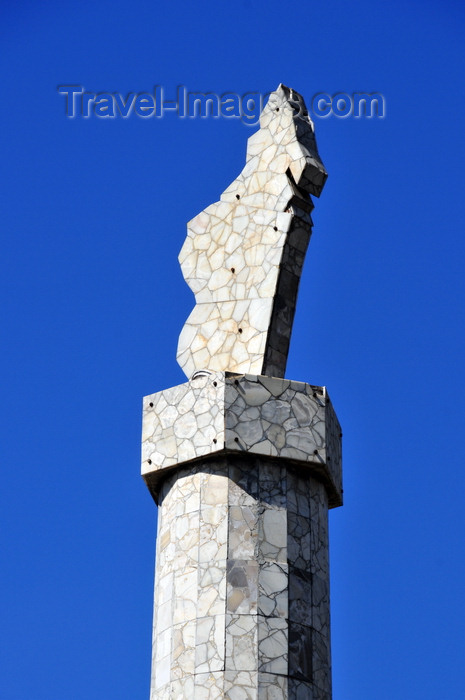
243,255
243,463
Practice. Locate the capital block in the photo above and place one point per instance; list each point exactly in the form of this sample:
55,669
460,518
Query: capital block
218,413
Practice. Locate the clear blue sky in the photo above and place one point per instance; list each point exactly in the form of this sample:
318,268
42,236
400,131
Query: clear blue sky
93,214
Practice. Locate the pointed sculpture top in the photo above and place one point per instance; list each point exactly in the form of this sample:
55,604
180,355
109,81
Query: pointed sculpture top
243,255
306,167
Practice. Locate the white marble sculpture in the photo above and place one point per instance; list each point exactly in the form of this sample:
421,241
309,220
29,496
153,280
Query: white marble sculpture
243,255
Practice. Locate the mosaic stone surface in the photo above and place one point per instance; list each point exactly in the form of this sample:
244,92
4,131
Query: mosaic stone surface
242,593
243,255
222,412
243,463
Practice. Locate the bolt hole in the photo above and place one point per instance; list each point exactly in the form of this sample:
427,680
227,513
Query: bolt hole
149,461
151,405
233,270
277,109
238,196
275,228
236,439
315,452
236,382
240,330
215,440
215,383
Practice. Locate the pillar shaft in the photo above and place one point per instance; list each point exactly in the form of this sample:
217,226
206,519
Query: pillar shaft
242,583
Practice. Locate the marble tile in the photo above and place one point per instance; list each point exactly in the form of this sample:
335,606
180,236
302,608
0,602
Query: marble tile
209,644
183,649
241,642
242,586
320,605
207,686
273,645
301,690
321,663
273,590
301,599
243,532
241,685
272,687
272,534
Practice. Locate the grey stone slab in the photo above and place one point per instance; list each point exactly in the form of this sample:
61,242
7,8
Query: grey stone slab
272,687
272,538
273,484
273,589
301,656
321,663
243,483
301,690
320,605
299,540
300,597
241,685
273,645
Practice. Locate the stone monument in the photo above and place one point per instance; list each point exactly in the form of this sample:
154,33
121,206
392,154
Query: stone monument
243,463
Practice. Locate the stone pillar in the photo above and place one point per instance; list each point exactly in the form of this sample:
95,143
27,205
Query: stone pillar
244,469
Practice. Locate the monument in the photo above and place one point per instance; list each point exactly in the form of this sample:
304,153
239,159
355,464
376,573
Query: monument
242,462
